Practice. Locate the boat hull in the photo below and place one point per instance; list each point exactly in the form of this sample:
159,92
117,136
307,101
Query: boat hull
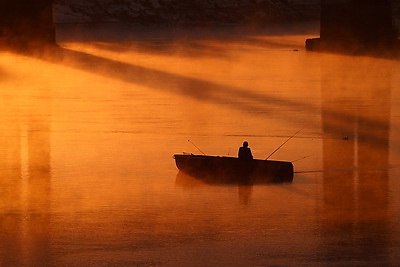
230,169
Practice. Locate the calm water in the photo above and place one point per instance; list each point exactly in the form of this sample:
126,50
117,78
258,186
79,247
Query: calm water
88,132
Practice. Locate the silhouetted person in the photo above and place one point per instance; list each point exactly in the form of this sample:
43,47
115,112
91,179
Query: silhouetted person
245,151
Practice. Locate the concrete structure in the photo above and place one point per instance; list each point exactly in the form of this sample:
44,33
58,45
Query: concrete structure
25,23
355,26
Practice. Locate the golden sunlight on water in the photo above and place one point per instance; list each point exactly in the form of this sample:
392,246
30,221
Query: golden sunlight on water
89,130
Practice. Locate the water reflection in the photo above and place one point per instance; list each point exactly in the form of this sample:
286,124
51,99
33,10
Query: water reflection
25,180
245,188
10,186
355,204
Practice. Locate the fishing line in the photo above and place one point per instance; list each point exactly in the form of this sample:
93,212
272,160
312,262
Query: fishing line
377,168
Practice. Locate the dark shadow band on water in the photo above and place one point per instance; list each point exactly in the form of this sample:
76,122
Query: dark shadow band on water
257,104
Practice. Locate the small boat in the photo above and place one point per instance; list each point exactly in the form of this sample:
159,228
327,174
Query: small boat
221,169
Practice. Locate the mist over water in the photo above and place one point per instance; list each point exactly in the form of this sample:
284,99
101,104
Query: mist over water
89,130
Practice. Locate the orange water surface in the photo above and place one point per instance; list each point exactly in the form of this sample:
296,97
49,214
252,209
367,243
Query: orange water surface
88,131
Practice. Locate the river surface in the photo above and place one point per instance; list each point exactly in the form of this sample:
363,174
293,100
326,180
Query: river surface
88,132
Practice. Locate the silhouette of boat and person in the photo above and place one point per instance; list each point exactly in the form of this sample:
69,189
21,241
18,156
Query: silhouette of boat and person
241,169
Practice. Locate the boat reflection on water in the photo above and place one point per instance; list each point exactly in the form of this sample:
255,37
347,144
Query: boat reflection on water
245,187
230,170
188,180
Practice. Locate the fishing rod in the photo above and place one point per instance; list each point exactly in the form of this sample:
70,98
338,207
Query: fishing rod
283,144
301,158
197,147
381,168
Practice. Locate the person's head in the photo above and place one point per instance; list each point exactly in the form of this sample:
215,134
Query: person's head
245,144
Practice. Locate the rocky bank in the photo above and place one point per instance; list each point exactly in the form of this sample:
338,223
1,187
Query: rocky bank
186,12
